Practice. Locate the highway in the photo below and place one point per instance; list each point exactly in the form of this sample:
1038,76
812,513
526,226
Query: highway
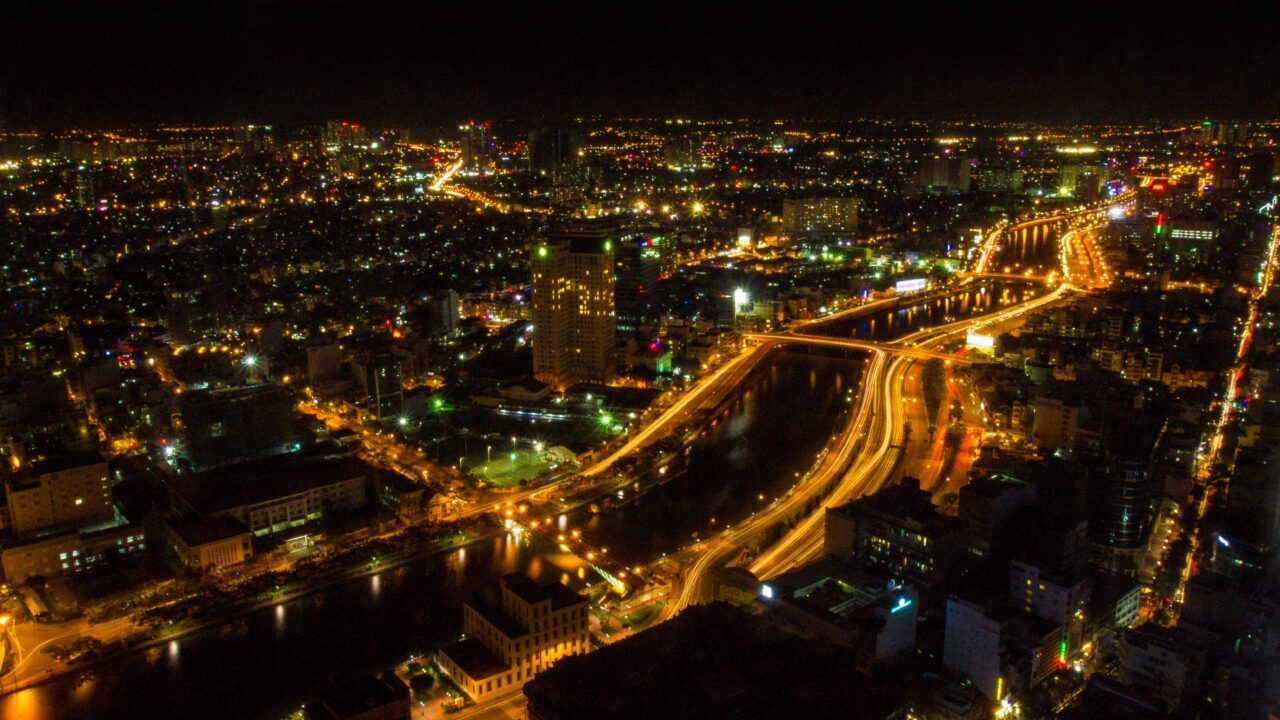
709,392
861,459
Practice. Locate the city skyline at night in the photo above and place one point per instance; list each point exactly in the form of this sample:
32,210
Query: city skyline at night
408,360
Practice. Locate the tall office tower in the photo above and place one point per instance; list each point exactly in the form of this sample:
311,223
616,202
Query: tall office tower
84,188
1122,498
386,394
475,146
324,363
681,153
444,313
553,149
1259,169
638,266
196,312
225,427
254,138
1082,180
944,173
820,217
1000,178
573,306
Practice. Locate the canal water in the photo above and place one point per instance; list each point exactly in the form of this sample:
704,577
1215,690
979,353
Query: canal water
892,323
1034,248
266,664
767,436
273,659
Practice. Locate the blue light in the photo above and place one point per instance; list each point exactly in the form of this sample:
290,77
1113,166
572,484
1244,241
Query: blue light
1223,541
902,604
766,592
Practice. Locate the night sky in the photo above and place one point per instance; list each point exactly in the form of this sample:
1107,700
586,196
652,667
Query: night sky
113,63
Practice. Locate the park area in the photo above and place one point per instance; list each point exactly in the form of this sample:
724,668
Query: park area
511,467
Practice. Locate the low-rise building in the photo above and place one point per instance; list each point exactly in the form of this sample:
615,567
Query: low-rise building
209,543
69,551
409,500
503,647
276,494
368,697
873,614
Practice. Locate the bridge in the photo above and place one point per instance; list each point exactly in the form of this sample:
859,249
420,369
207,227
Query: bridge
1028,276
1039,228
850,343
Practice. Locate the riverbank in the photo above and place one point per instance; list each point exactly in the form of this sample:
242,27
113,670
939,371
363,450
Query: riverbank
117,642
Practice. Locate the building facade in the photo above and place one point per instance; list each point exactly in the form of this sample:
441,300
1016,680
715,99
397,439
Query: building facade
69,551
71,489
209,543
820,217
505,646
574,326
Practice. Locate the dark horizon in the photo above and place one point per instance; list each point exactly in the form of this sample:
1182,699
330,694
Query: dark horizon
399,64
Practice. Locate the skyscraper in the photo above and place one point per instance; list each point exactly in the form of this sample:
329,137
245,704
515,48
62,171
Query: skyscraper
386,394
475,146
573,306
820,217
946,172
553,149
638,269
224,427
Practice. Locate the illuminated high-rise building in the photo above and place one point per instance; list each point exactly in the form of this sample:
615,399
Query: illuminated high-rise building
945,172
386,393
638,263
820,217
573,306
475,146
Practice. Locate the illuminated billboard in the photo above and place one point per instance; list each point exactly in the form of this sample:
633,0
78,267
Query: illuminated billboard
978,340
911,285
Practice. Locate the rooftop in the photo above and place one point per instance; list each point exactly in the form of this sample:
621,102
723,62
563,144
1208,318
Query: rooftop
203,530
711,661
67,461
507,626
259,481
358,696
532,592
474,658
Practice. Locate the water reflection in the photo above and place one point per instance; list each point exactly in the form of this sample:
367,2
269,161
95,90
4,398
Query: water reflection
786,411
268,668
